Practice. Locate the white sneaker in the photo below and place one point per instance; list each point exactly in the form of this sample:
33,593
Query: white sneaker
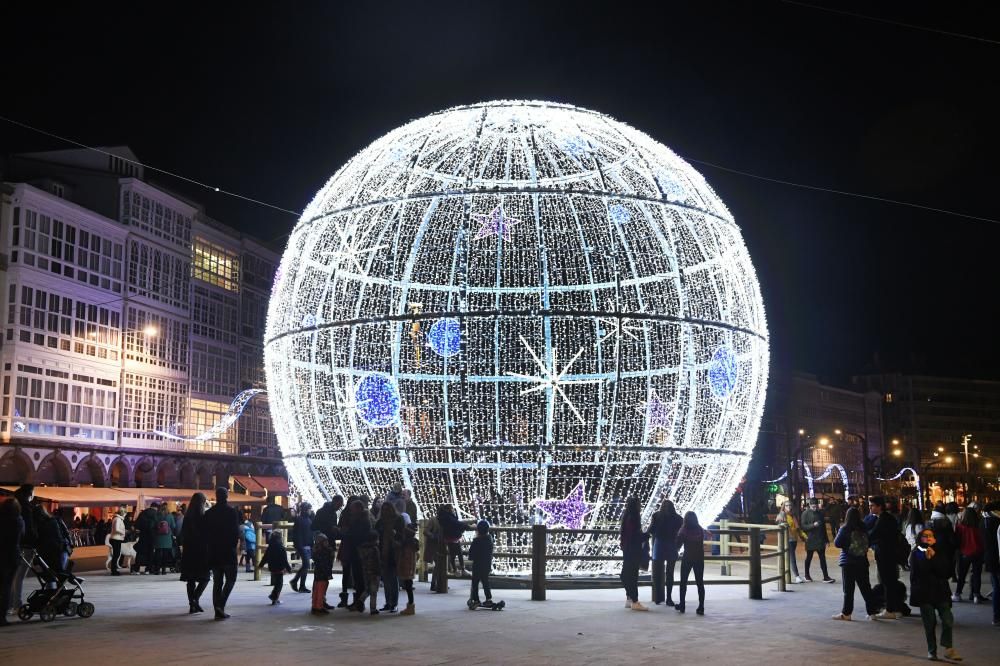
639,607
841,616
956,597
872,618
886,615
798,580
950,653
628,603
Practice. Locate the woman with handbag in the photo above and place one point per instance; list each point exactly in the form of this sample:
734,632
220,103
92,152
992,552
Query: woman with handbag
634,544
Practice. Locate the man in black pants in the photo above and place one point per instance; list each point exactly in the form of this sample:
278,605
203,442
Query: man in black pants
222,533
883,538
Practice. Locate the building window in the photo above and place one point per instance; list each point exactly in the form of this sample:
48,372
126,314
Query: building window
215,265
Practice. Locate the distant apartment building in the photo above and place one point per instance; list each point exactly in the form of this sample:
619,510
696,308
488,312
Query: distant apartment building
129,313
948,426
820,425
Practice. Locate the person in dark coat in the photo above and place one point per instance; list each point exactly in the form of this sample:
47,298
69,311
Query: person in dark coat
481,554
302,539
930,592
631,540
391,532
24,496
11,532
666,523
852,539
344,553
145,526
195,570
326,518
222,532
276,561
54,544
883,538
692,537
813,523
359,528
991,554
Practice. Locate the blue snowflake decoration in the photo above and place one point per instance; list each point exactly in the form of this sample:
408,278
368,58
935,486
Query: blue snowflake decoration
575,146
308,321
377,398
620,214
722,372
445,337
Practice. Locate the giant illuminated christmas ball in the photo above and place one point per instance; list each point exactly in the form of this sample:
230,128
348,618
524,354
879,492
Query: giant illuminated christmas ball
527,310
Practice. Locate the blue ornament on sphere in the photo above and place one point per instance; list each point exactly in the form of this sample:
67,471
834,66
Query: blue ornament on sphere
619,214
378,401
445,336
722,371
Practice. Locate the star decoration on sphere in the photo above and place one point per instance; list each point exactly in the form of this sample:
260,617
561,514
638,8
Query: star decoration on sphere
614,327
568,512
349,250
550,377
495,224
659,414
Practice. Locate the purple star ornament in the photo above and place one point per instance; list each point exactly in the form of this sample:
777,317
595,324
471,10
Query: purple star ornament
568,512
495,224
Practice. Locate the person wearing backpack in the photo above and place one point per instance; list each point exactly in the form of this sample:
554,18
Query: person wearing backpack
884,539
163,540
852,539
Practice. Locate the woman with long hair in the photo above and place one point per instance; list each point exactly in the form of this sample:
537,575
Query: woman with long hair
692,537
787,517
913,526
852,539
632,539
971,551
929,574
666,523
194,552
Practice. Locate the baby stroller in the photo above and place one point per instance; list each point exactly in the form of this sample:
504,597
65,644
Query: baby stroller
59,592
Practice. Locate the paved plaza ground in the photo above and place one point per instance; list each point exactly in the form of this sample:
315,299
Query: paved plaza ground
144,620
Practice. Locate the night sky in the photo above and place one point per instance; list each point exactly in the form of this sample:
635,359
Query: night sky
268,100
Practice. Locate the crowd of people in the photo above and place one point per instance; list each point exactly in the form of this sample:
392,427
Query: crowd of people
376,544
948,546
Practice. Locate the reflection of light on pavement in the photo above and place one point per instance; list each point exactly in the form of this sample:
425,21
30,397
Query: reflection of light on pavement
310,627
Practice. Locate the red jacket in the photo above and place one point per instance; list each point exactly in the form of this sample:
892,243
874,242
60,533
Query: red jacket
970,540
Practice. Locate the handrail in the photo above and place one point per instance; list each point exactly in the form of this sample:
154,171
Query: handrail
753,553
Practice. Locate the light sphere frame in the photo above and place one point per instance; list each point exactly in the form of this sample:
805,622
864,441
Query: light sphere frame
527,310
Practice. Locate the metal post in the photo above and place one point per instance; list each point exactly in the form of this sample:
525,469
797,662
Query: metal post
727,567
256,552
539,534
783,566
421,560
756,589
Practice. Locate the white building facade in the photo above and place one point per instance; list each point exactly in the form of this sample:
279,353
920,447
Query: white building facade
128,312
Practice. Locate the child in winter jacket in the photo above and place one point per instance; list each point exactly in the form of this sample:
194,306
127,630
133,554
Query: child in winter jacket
276,560
929,591
481,554
322,557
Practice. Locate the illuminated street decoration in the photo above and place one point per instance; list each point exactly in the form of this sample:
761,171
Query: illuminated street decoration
722,372
445,336
575,280
567,512
231,416
916,481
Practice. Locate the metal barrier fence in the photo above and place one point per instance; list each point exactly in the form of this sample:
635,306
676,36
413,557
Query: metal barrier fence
754,553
